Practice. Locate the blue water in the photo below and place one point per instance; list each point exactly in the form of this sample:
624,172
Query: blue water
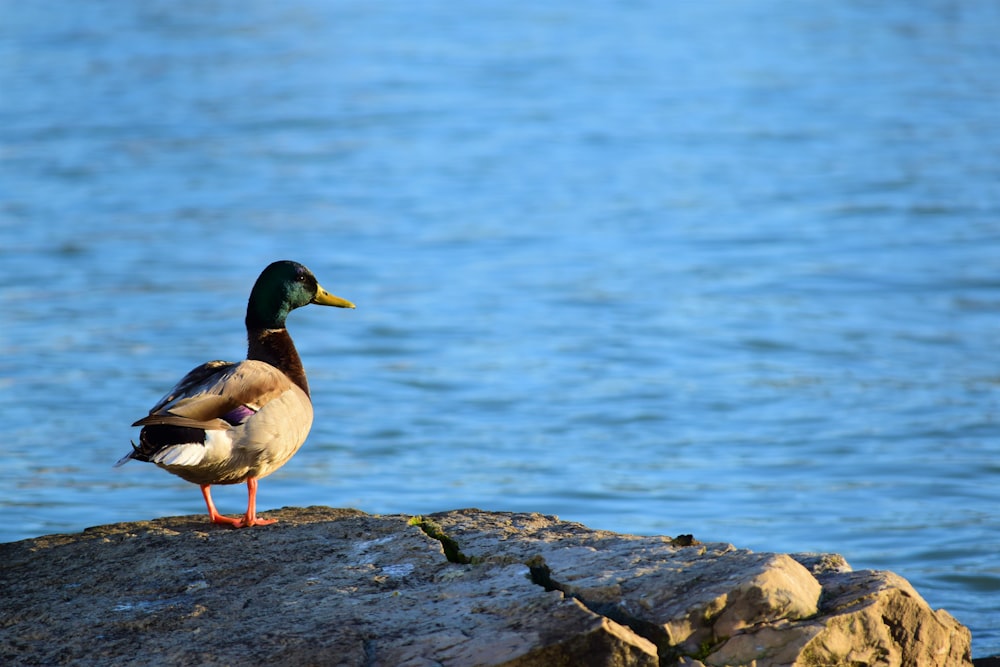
726,268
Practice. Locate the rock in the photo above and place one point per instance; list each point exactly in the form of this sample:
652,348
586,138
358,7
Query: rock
721,605
340,587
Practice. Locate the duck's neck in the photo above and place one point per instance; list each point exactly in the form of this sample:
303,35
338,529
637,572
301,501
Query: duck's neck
275,347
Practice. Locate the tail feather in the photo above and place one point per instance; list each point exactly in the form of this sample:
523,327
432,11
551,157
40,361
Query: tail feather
128,457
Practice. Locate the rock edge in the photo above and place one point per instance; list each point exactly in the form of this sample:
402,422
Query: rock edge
466,587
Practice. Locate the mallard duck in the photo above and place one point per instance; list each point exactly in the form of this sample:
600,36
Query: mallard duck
233,422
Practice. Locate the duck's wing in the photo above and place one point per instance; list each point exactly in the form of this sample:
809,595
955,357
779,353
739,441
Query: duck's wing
218,394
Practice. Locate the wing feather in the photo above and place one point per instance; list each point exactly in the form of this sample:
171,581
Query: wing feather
195,382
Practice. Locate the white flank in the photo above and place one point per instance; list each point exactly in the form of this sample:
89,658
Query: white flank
217,445
188,454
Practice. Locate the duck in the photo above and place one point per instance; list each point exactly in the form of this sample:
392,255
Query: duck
237,422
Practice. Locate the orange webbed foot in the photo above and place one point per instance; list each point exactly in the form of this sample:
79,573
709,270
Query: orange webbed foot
226,521
251,518
254,521
213,514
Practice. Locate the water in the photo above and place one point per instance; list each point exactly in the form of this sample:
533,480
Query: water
723,268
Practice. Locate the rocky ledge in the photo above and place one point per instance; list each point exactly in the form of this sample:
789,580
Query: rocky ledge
340,587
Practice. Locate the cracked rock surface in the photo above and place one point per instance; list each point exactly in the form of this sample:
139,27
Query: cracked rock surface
340,587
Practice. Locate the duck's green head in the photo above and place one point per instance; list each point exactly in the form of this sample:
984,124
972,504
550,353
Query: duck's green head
281,288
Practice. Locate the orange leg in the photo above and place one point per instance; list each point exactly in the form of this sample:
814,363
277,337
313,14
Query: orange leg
213,514
251,516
